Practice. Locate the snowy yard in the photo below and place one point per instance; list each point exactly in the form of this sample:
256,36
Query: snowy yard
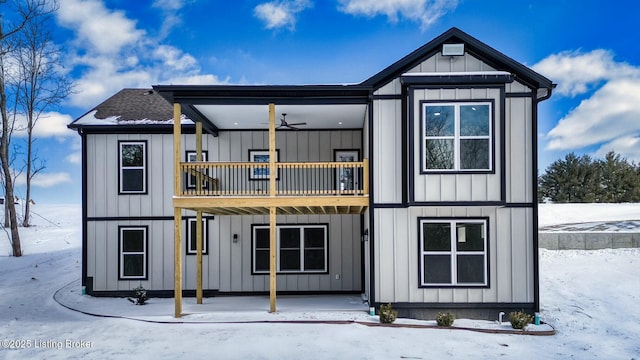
590,297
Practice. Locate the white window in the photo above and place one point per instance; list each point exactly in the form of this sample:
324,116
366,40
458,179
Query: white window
300,248
132,247
457,137
133,167
191,236
453,252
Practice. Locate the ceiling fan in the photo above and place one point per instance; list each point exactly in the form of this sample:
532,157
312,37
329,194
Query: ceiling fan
284,123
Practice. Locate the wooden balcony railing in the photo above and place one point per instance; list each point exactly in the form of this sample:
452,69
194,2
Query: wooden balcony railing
293,179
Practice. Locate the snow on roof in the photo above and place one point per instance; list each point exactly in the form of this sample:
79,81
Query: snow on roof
90,119
131,107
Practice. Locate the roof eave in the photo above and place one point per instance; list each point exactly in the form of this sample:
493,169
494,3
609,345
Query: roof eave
474,47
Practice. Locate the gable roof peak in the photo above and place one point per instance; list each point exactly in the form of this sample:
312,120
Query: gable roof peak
473,46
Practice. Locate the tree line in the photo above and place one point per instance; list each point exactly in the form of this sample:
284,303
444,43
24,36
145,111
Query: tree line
583,179
31,83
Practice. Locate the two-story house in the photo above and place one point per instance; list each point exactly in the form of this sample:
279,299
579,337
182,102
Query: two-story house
415,187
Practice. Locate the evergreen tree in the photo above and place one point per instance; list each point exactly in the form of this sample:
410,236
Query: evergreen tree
573,179
619,179
583,179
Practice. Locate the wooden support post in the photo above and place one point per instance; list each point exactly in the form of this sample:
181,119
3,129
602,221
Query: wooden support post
365,177
198,218
272,209
177,212
272,259
272,150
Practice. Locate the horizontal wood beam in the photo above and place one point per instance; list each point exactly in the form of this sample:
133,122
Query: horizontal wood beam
255,202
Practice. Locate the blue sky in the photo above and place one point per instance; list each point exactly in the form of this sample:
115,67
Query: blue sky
588,47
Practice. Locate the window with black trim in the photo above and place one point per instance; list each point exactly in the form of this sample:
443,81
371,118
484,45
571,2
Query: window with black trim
458,136
132,167
191,236
132,249
300,248
191,179
453,252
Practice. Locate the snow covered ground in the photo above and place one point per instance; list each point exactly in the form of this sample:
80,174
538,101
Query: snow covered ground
590,297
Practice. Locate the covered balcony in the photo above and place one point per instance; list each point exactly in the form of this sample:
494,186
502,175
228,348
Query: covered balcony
243,188
263,185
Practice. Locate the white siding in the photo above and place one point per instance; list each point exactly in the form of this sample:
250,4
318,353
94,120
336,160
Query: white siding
456,187
510,256
387,151
519,167
227,266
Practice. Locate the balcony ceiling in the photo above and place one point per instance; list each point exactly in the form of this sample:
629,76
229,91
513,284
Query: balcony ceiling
317,116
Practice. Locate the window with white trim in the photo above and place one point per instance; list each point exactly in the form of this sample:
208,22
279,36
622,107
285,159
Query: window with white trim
457,137
453,252
191,156
132,248
132,167
191,236
300,248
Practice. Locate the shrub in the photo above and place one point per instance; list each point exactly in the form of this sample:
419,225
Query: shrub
520,319
445,319
140,296
387,314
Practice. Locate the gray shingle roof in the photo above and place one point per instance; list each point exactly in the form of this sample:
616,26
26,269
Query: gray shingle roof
135,104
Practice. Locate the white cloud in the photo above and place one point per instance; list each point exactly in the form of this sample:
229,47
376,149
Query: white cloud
45,180
281,13
627,146
174,58
50,124
111,53
171,17
104,30
426,12
169,5
609,115
576,72
74,158
206,79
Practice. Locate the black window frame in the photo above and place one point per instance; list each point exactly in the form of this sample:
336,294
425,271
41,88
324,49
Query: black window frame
144,167
191,236
457,137
300,227
453,252
190,180
123,254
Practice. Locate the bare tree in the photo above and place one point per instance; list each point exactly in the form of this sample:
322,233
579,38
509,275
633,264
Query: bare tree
41,87
24,11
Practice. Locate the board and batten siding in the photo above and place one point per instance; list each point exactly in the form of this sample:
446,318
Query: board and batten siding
458,186
387,151
227,266
396,249
103,199
519,142
395,235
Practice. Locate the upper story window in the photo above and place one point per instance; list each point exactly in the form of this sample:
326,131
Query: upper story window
132,167
458,137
